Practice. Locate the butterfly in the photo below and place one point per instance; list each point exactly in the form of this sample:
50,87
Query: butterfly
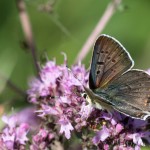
113,84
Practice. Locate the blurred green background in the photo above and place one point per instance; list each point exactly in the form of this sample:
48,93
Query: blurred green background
63,26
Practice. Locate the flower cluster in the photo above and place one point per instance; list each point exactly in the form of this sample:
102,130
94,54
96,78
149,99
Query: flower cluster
58,96
13,136
42,140
63,112
119,131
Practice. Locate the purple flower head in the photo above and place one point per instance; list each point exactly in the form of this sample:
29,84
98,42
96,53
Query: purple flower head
10,121
21,133
66,127
13,136
60,104
121,131
102,135
42,139
58,96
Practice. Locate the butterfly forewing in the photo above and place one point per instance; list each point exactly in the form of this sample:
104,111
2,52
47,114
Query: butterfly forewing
109,61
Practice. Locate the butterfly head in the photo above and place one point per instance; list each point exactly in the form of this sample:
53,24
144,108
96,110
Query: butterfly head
94,99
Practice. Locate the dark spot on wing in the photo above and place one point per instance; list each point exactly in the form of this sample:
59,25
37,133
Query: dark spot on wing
148,99
108,57
113,70
113,60
100,63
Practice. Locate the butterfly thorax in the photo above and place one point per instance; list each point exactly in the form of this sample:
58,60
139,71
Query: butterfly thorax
98,99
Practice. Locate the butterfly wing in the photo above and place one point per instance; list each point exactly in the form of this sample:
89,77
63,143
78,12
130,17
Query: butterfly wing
109,61
129,94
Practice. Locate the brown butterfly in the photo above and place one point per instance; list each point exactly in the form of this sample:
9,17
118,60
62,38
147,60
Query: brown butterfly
113,84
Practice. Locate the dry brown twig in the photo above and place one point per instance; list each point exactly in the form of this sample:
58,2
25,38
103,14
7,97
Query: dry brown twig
111,8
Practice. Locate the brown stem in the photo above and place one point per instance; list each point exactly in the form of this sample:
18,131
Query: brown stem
98,29
26,26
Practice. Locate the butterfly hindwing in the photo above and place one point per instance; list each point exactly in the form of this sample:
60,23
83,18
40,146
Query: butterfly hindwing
130,93
109,61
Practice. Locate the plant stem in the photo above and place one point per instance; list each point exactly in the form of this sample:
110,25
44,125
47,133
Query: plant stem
111,8
26,26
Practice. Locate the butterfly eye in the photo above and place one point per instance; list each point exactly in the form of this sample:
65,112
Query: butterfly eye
98,72
84,95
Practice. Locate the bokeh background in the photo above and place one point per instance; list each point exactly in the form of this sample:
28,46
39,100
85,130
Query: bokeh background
63,26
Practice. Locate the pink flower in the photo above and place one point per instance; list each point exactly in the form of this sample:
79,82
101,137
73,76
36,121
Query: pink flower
119,128
10,121
42,139
102,135
21,133
137,139
66,127
14,135
85,111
